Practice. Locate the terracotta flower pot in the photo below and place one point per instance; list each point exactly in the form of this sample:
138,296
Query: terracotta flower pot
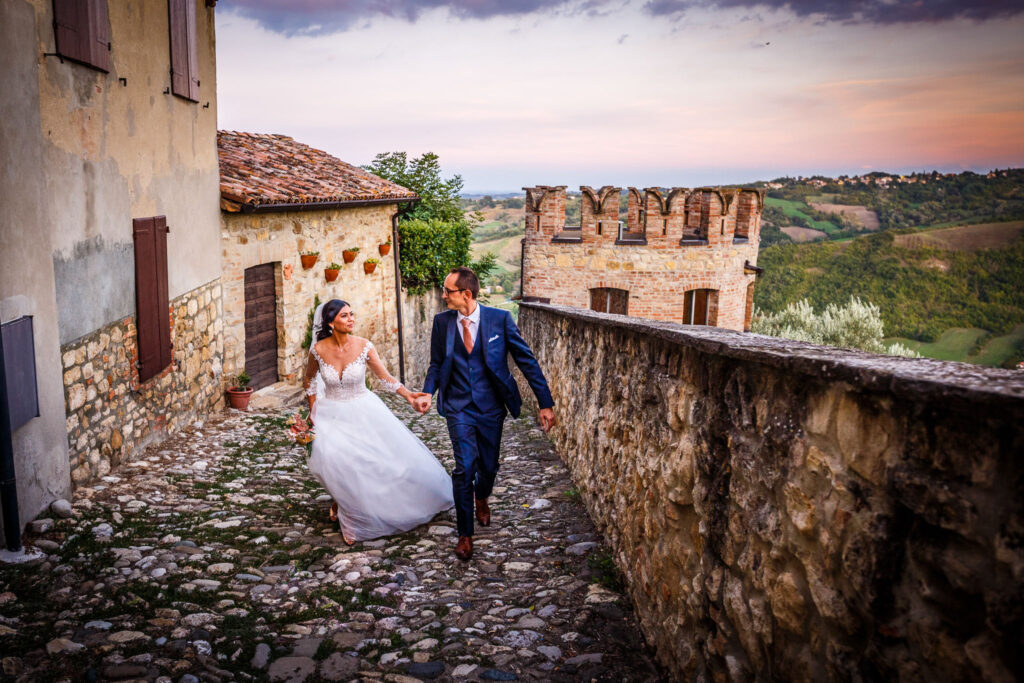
239,398
331,274
349,256
384,249
369,267
308,260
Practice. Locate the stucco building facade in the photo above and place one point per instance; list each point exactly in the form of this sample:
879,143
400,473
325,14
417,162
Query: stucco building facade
110,211
687,256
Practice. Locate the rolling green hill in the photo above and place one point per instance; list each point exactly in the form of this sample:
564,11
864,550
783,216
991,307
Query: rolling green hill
952,303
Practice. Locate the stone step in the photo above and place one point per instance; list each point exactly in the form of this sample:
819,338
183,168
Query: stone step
277,396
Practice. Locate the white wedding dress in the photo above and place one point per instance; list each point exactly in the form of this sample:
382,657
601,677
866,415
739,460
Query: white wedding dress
384,479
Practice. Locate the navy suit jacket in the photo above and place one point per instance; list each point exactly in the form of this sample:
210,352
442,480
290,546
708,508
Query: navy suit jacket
500,337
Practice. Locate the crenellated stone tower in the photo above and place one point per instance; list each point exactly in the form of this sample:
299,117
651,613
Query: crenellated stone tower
686,256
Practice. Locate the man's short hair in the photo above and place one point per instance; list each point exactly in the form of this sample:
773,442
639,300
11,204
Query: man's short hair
467,280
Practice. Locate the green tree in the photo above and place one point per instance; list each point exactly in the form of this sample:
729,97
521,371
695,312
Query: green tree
431,248
439,197
435,232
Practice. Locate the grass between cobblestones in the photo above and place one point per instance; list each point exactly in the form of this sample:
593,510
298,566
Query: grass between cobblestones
258,478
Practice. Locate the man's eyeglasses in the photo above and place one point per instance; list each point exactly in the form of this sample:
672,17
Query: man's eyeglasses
449,292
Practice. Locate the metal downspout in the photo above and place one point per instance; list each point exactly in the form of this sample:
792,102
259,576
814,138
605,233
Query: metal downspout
398,296
8,486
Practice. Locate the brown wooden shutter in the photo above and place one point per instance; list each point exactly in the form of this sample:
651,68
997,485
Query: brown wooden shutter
695,307
184,49
99,38
193,53
82,31
152,305
71,28
618,301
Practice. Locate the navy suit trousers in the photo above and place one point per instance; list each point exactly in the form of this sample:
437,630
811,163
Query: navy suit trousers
476,438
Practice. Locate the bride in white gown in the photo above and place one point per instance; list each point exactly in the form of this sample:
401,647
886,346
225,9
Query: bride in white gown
383,479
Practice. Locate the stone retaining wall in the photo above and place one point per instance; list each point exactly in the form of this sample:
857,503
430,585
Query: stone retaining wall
418,313
785,511
110,415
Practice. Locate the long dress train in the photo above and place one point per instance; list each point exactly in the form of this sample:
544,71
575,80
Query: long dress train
383,478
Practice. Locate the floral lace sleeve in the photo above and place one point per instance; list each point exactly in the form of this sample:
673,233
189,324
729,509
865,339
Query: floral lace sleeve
312,367
383,376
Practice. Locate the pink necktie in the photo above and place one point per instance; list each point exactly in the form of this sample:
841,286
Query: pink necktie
467,338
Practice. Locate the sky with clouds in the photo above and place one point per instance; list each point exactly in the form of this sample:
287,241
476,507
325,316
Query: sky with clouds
644,92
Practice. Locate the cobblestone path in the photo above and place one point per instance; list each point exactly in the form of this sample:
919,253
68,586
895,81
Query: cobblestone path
211,558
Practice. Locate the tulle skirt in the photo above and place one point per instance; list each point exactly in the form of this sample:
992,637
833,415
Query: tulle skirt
383,478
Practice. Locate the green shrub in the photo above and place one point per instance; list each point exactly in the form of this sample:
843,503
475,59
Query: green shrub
857,325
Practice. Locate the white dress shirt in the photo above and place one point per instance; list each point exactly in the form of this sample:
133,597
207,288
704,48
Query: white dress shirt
474,323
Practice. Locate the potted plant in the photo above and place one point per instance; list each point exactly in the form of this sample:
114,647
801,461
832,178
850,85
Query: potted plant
369,265
385,248
331,271
350,254
309,258
239,395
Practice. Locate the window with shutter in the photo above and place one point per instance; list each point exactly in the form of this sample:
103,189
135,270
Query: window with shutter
184,49
609,300
82,32
152,305
700,307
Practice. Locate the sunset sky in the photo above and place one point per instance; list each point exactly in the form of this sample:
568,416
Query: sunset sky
662,92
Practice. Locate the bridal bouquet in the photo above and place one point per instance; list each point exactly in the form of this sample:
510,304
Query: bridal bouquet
301,430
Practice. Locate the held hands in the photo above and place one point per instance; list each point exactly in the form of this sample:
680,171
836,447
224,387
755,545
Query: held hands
420,402
547,419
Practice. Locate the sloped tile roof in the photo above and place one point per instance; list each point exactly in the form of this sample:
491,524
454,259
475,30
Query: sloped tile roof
260,170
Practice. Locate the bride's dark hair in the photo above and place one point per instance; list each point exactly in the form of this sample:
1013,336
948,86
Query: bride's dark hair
331,309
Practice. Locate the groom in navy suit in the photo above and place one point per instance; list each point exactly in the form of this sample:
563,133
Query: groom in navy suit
469,345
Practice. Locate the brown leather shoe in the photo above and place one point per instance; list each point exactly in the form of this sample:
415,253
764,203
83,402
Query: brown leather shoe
464,549
483,513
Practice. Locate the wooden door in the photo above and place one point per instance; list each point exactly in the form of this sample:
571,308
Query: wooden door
260,325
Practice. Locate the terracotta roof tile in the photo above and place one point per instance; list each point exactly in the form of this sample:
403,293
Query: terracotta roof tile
264,169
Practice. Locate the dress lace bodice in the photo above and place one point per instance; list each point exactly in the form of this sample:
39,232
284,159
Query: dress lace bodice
351,383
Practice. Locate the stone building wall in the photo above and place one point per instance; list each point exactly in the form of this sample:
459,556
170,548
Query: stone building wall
252,239
658,273
84,153
110,415
794,512
419,311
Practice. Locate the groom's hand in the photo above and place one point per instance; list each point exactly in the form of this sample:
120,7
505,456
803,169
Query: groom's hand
421,402
547,419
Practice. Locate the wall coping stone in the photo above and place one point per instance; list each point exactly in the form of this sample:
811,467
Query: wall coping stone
911,378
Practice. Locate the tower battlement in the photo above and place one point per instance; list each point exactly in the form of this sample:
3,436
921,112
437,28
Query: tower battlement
679,254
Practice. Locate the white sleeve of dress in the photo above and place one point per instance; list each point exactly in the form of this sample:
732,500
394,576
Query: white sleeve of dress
312,368
384,378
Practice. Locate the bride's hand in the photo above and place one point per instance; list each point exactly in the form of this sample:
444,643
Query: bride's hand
420,402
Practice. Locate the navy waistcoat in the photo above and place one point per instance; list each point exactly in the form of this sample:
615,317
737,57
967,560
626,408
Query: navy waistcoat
470,383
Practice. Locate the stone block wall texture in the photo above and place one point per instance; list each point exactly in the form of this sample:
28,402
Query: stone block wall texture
419,311
110,415
83,154
259,238
785,511
725,225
